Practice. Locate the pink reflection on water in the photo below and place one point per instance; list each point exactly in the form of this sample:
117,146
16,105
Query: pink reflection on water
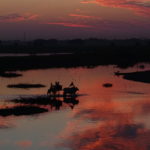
105,118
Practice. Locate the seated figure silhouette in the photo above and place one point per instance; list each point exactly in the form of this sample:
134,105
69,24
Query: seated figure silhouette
71,85
51,90
71,90
54,89
58,87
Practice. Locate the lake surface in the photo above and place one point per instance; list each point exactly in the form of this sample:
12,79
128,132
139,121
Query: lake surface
115,118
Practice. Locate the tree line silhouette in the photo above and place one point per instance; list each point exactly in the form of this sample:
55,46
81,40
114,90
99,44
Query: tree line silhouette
81,53
74,45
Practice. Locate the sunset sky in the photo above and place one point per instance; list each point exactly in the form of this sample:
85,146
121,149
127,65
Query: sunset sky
68,19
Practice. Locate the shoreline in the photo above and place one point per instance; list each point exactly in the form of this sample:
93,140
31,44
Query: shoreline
88,60
142,76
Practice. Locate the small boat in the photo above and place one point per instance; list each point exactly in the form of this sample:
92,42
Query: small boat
55,89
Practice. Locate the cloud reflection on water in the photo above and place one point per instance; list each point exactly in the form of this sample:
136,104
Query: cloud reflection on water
115,127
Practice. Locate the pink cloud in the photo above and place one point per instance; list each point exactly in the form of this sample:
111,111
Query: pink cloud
84,16
32,17
67,24
140,7
89,2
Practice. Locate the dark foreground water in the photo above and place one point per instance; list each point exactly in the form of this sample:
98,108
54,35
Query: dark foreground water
115,118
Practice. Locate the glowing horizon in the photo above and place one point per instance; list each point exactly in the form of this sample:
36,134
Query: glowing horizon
75,19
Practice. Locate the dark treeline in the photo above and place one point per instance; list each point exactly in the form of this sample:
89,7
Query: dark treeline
75,45
83,53
69,61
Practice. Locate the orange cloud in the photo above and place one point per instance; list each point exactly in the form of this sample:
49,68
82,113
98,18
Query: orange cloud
67,24
141,7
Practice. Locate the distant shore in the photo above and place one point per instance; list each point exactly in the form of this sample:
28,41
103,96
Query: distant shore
76,53
69,61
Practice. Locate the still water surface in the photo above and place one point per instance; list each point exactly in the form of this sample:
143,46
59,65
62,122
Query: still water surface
116,118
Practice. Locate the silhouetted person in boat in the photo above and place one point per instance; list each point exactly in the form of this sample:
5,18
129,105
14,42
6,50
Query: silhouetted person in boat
54,89
71,90
51,90
51,86
58,87
57,83
71,85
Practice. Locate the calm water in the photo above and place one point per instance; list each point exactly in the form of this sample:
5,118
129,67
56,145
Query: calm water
116,118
